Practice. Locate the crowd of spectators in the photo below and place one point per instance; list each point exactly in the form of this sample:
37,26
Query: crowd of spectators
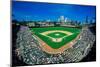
29,51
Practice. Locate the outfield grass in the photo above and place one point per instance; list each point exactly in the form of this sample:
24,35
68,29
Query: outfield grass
56,45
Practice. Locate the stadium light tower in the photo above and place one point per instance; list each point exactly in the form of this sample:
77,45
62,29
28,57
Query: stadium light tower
86,22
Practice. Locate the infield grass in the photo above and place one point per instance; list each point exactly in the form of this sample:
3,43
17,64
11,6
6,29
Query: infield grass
56,35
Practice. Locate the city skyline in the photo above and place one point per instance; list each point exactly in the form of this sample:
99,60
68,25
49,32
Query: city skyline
43,11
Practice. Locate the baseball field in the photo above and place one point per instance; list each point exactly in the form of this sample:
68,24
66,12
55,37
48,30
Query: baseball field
56,37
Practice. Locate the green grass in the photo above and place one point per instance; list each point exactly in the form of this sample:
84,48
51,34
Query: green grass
52,44
54,35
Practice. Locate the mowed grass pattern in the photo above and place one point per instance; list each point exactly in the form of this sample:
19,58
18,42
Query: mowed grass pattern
56,45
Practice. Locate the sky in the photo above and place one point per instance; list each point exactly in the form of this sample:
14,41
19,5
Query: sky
39,11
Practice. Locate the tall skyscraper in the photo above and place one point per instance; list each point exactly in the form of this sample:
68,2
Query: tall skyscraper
66,19
62,20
